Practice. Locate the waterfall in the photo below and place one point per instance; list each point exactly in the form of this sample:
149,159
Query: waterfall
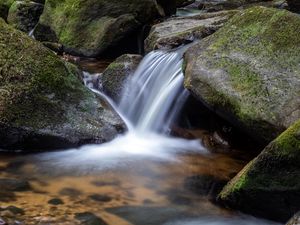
154,94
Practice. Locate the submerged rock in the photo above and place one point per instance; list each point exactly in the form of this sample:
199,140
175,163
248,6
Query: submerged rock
43,104
90,27
114,77
295,220
88,218
269,186
248,71
24,15
175,32
7,184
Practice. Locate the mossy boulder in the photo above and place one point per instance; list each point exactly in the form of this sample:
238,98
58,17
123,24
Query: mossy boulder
249,71
91,27
43,103
177,31
114,77
269,186
24,15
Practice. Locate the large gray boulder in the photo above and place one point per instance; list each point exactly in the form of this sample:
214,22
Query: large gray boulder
248,71
43,103
178,31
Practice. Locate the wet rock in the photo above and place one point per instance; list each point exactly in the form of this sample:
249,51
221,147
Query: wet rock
269,186
247,72
56,201
43,104
2,222
295,220
207,185
142,215
183,3
294,5
24,15
217,5
88,218
7,184
101,183
175,32
71,192
100,198
90,28
114,77
15,210
7,196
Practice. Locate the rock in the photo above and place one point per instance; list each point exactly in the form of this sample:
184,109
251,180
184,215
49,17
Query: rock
88,218
43,104
183,3
7,184
55,201
24,15
217,5
295,220
207,185
89,28
175,32
100,198
248,71
169,6
294,5
146,215
71,192
115,75
269,186
13,209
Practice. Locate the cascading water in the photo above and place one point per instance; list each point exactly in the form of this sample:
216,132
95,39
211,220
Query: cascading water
154,94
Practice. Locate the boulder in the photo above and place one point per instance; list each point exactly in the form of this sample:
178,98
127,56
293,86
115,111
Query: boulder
218,5
90,27
248,71
269,186
43,103
24,15
294,5
114,77
178,31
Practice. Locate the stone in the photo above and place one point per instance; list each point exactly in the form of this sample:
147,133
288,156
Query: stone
248,71
88,218
90,28
114,77
269,186
24,15
178,31
43,103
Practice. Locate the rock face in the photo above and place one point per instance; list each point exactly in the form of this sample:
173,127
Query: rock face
90,27
43,104
178,31
24,15
294,5
114,77
269,186
248,71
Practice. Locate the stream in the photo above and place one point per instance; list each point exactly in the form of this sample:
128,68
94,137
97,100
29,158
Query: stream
143,177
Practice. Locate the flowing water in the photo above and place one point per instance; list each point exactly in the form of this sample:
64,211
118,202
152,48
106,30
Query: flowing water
144,177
